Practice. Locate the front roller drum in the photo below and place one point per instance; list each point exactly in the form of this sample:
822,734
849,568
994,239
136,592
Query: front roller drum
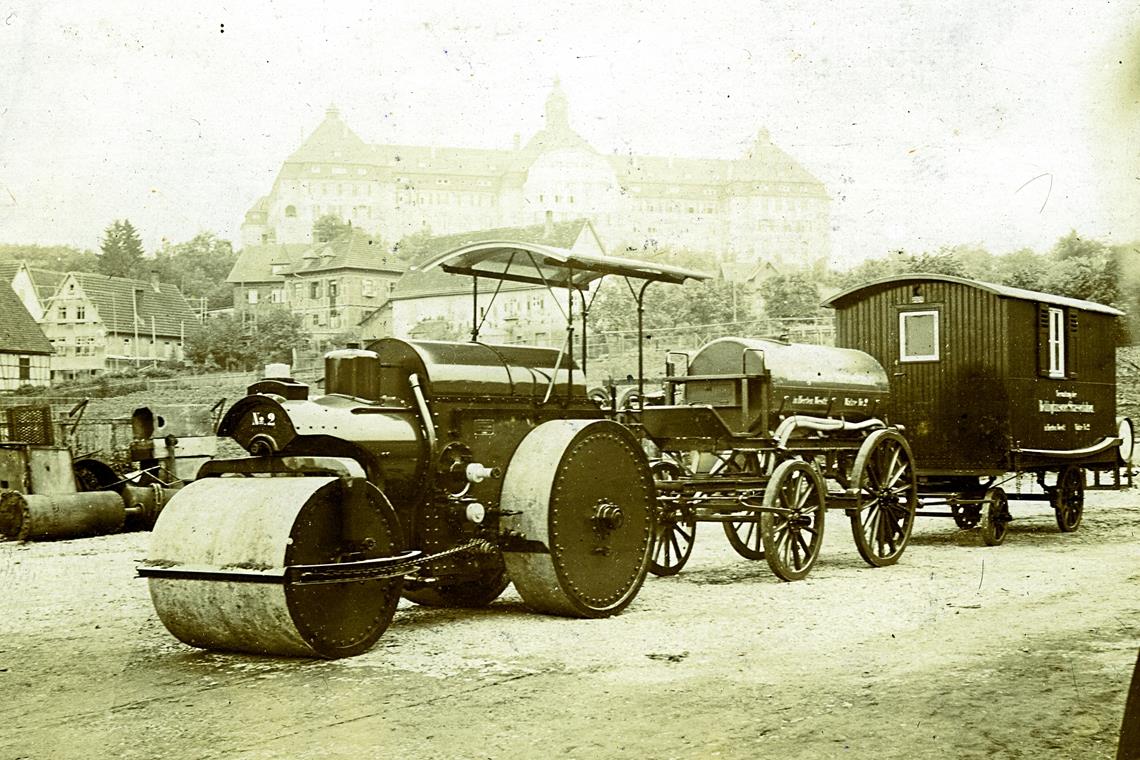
584,517
231,540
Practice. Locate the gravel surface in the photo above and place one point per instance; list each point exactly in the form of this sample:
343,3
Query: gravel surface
960,651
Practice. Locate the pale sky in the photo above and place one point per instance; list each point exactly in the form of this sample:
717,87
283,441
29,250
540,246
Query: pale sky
931,123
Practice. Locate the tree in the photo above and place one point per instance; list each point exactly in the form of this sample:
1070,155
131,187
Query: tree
199,268
59,258
1082,268
329,227
276,333
790,295
411,248
230,343
122,250
221,343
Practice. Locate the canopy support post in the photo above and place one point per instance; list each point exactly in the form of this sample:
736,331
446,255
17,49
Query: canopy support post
474,308
641,342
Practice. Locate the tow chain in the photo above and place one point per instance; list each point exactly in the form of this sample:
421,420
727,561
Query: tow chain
347,572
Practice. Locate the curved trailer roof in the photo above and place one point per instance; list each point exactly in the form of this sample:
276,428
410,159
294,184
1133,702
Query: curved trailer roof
1003,291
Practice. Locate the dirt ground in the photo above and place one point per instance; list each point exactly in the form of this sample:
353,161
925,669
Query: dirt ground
960,651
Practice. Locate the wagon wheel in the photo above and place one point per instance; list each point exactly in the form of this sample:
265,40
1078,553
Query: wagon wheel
791,524
745,537
676,532
995,517
886,497
1069,498
966,516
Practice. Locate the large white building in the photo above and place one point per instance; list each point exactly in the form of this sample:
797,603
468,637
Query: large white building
762,207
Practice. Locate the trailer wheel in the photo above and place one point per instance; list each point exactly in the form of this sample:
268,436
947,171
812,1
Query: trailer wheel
966,516
744,535
791,524
1069,498
676,532
886,494
995,517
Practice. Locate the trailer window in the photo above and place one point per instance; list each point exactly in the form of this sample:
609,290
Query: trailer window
918,336
1056,343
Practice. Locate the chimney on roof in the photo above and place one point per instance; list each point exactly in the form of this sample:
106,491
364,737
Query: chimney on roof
155,285
548,230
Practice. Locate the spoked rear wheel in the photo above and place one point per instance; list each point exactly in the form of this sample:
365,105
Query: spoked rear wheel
791,524
1069,498
995,517
676,531
886,492
745,538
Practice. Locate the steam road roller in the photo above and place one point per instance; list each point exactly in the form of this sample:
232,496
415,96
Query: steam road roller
432,470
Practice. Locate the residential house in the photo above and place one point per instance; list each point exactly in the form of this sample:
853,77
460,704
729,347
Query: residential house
97,322
258,275
332,285
25,354
436,305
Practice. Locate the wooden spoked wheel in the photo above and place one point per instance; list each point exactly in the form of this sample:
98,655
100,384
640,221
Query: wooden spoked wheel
966,516
675,533
995,517
1069,498
886,494
791,525
744,535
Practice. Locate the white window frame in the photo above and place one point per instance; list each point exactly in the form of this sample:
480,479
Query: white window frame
1056,342
251,296
903,317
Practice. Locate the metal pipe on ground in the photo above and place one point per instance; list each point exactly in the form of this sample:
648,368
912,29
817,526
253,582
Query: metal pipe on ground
32,517
143,504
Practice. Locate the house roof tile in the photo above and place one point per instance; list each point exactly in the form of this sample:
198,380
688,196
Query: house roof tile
118,299
19,333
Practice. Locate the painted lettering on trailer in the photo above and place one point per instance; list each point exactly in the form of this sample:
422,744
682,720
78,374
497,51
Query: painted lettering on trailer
262,419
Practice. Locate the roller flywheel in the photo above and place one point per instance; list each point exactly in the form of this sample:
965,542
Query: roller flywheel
583,501
230,537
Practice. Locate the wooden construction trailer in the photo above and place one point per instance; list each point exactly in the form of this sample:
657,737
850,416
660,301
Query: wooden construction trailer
987,380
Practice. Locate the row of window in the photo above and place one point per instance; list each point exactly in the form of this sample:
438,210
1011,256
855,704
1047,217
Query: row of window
317,289
63,313
919,339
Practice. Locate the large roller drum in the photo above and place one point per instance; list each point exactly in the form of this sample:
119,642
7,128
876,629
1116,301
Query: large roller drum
583,500
228,542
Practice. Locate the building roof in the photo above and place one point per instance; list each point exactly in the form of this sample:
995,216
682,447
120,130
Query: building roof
274,262
1002,291
46,282
332,139
255,263
118,299
19,333
435,282
333,142
354,250
8,269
